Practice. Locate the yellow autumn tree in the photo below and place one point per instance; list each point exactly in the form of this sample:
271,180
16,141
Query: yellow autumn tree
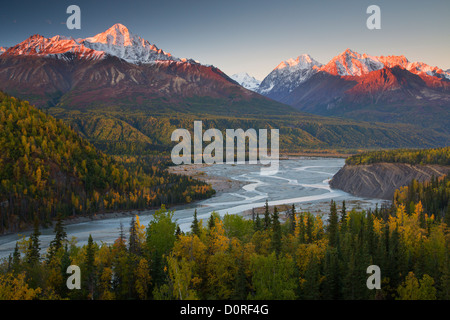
15,288
143,278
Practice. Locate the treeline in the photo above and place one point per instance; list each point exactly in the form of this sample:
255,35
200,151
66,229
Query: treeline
434,196
440,156
47,168
294,256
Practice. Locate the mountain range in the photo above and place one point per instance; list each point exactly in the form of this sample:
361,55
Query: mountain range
117,87
364,87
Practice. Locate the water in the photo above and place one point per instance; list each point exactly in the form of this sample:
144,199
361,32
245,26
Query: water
303,182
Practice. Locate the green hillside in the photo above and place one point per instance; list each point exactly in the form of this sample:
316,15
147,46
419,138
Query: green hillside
46,168
139,131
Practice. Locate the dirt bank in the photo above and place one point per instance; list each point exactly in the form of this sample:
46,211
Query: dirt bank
380,180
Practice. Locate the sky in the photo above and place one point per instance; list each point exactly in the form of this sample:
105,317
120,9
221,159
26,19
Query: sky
246,35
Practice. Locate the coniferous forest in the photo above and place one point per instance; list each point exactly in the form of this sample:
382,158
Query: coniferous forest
46,169
293,255
48,172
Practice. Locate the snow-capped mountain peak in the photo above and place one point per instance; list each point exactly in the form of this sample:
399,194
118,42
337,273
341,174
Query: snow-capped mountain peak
56,46
118,34
117,41
304,61
3,49
352,63
247,81
120,42
288,75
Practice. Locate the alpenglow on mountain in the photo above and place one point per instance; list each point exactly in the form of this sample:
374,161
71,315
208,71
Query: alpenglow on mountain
288,75
118,68
117,41
291,73
364,87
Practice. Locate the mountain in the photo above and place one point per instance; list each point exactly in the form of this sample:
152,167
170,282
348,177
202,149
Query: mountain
247,81
2,49
126,96
287,76
117,67
370,88
118,41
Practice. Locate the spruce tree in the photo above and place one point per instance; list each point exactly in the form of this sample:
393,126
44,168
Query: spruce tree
267,221
60,237
34,247
211,222
333,226
133,242
343,217
90,267
292,219
302,228
258,223
276,232
16,259
195,227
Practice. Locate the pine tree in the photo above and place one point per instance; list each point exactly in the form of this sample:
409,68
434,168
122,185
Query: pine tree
90,267
302,228
258,223
60,237
276,232
333,225
211,222
267,221
309,228
195,227
333,277
343,218
34,247
16,259
311,287
292,219
133,242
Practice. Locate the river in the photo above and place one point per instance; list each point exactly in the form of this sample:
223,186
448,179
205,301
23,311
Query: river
302,181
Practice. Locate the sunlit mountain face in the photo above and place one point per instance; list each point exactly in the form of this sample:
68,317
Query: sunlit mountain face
364,87
116,67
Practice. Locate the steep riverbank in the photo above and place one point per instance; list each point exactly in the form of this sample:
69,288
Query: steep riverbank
380,180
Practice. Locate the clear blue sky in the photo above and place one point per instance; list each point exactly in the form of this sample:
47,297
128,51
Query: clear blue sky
247,35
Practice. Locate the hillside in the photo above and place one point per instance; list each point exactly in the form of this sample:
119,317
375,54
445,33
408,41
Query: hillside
380,180
46,168
379,173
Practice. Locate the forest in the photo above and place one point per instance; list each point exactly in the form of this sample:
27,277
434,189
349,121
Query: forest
278,255
46,169
440,156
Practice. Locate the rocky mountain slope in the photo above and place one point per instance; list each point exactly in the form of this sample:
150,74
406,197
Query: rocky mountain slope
364,87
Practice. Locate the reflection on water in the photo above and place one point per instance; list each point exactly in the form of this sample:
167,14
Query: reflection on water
303,182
